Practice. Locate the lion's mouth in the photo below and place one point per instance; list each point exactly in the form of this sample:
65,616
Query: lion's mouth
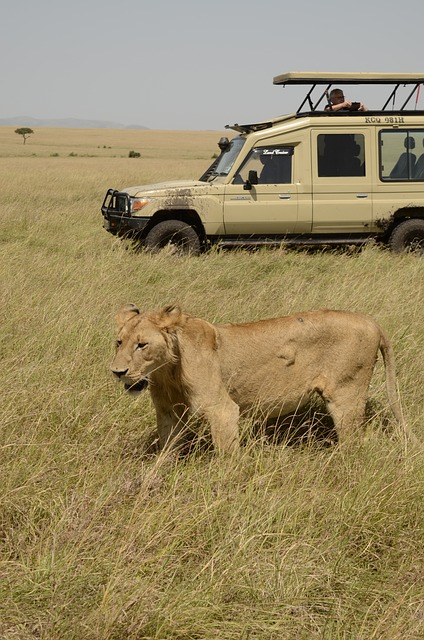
137,387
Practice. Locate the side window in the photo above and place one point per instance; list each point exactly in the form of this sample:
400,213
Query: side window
273,165
402,155
341,154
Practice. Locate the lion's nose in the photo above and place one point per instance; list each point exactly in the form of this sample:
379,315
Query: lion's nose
119,372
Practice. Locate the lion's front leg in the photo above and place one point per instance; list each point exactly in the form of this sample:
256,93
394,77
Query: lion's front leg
222,416
224,427
170,423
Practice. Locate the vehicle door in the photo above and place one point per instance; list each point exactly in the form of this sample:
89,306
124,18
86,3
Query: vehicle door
262,198
401,165
342,182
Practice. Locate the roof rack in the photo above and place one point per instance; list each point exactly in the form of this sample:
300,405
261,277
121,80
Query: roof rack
328,79
247,128
259,126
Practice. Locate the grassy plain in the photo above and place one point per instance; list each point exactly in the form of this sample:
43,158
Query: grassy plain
102,539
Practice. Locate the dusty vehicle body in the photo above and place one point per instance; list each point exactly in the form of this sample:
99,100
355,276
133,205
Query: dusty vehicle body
315,177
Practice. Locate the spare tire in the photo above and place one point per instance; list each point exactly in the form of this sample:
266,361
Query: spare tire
176,235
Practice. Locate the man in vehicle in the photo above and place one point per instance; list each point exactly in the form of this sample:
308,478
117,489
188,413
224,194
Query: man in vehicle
337,102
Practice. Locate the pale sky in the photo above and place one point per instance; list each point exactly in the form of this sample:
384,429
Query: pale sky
182,64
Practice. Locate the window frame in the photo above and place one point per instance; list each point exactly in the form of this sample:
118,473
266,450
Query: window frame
354,135
262,148
406,133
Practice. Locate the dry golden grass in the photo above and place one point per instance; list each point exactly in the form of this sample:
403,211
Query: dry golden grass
102,539
106,143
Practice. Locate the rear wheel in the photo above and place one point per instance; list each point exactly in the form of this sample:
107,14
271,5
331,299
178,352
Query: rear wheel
408,236
174,235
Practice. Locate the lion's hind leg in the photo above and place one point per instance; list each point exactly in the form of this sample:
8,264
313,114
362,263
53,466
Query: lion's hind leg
346,406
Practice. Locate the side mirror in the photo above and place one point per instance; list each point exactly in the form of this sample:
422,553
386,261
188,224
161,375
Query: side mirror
223,144
251,180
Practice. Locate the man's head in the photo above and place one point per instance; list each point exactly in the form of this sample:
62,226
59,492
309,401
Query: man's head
337,96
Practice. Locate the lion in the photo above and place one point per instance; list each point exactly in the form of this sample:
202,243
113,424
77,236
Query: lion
270,367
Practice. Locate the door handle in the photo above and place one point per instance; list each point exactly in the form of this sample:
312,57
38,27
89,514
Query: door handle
284,196
362,195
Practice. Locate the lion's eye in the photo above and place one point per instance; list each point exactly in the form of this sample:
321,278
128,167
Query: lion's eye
118,343
141,345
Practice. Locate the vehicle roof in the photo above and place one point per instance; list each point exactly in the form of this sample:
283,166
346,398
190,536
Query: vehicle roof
350,77
325,117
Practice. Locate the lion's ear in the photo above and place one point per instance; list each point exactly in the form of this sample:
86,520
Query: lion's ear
171,316
125,313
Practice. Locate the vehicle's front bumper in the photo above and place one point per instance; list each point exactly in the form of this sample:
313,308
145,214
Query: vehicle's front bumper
116,210
122,225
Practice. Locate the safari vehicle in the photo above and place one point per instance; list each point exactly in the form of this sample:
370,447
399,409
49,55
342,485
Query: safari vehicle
314,177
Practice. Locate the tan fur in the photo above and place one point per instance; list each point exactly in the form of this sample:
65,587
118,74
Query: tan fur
271,367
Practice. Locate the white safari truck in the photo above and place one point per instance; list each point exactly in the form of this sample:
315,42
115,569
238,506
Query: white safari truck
319,176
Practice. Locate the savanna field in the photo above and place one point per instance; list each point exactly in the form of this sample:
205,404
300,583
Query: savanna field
101,536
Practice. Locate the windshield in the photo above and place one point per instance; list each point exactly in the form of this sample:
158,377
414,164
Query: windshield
228,158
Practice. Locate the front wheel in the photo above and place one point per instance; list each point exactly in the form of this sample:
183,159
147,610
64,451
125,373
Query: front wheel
408,236
175,235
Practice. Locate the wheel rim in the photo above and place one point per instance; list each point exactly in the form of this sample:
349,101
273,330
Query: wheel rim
175,242
415,243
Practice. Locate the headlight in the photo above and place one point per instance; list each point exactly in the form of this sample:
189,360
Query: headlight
139,203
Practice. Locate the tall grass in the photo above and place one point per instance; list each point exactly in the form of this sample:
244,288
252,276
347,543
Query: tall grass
102,537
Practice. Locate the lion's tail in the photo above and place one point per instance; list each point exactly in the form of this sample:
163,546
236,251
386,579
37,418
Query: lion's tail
391,385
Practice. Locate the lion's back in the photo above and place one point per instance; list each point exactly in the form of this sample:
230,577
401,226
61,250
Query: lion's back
293,353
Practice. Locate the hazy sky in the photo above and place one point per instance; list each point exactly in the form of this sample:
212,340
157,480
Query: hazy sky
186,64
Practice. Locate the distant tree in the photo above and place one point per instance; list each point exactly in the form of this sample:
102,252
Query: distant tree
25,132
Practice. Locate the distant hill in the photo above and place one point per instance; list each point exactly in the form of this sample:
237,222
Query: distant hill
64,123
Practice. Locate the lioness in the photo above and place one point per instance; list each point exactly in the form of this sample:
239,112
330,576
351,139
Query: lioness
272,367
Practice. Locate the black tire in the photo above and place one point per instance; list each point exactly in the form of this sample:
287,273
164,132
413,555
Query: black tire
174,234
408,236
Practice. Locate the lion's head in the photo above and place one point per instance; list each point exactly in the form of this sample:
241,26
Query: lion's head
145,343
